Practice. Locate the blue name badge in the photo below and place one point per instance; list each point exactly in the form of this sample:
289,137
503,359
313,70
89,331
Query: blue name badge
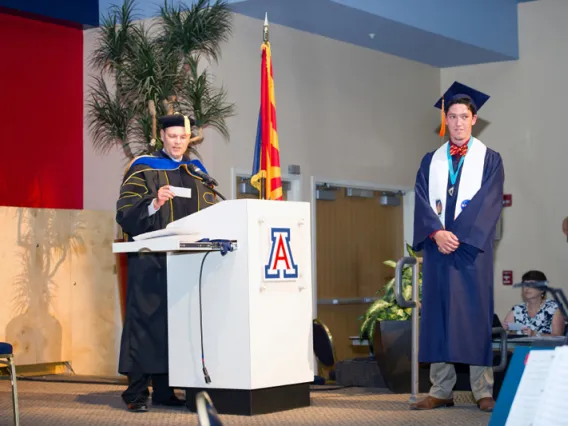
464,204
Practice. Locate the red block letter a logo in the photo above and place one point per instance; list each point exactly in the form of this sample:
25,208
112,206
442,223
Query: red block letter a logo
280,262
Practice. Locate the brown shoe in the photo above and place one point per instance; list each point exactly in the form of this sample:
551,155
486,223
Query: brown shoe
486,404
430,403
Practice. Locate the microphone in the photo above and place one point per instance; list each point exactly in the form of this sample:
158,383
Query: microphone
206,178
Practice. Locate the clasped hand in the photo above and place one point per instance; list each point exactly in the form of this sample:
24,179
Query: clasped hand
447,242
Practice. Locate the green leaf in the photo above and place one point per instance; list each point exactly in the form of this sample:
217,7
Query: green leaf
390,263
389,286
377,306
410,251
407,292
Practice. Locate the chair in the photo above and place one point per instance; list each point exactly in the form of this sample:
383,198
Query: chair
323,348
206,413
7,358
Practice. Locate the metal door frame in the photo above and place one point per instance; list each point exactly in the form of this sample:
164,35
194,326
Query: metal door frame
295,193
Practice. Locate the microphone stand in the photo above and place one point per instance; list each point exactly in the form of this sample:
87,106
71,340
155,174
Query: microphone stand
212,188
208,184
562,302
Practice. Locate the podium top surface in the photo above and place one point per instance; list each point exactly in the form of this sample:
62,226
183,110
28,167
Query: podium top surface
230,220
174,243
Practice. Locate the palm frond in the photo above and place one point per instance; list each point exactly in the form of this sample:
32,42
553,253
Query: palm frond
156,64
201,28
110,118
143,132
150,73
207,104
116,37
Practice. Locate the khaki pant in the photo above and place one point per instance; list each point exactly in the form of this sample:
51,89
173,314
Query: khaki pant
443,378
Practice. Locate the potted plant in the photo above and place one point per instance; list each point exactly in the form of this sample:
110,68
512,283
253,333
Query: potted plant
388,328
149,70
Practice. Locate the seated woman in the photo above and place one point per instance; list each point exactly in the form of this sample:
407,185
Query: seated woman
540,317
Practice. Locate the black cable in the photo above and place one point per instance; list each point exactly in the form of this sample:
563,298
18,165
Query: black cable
216,192
205,373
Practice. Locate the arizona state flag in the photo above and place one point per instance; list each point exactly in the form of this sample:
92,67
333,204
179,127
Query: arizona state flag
266,165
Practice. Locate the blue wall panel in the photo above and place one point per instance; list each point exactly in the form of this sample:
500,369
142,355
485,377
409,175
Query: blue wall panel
421,43
488,24
80,12
441,33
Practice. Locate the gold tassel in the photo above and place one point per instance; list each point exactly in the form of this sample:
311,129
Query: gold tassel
443,126
187,125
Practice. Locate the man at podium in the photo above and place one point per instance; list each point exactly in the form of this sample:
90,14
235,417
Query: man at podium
156,190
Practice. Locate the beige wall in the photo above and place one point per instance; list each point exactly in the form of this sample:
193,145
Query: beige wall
344,112
527,119
59,296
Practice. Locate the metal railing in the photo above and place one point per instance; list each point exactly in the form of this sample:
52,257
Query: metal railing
347,301
403,303
502,348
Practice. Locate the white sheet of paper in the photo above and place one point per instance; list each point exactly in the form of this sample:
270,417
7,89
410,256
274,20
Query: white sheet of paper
528,398
515,326
181,192
552,410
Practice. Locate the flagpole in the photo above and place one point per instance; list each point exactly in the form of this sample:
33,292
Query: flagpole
265,40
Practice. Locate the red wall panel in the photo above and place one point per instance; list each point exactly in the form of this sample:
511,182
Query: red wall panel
41,114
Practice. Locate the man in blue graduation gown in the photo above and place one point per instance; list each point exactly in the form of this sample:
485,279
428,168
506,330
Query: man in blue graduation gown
459,193
147,203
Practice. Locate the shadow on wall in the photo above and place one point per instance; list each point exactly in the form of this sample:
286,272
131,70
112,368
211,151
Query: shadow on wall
46,239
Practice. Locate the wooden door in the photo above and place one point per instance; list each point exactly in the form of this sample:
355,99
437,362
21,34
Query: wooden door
354,236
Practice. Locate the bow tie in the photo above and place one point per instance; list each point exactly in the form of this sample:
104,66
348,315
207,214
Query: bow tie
458,150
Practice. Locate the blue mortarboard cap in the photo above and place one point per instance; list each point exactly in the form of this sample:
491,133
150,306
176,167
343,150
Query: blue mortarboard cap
459,90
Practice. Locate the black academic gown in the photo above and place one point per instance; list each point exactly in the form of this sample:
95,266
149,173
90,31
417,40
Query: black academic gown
457,289
144,344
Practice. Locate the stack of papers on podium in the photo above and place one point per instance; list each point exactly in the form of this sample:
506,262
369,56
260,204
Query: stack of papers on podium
541,398
169,232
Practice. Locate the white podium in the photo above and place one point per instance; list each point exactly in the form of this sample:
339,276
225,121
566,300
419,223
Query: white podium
256,304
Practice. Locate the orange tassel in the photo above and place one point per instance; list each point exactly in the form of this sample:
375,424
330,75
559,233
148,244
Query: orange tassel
443,126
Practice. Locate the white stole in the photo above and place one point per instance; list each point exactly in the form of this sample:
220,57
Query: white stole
470,180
